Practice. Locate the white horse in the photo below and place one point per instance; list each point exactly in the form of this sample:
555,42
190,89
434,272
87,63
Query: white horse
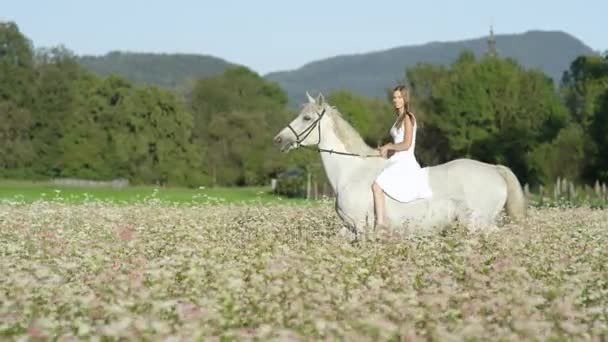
464,190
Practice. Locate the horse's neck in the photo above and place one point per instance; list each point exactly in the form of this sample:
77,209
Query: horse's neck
338,167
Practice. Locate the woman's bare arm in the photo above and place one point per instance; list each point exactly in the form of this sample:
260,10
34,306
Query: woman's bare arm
408,133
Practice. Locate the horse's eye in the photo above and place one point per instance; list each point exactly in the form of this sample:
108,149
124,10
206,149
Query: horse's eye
307,118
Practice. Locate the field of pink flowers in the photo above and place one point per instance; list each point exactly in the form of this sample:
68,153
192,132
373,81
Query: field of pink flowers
153,271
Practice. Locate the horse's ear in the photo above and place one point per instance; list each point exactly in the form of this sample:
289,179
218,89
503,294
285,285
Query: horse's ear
320,99
310,99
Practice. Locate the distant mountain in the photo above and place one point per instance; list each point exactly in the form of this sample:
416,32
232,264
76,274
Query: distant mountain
371,73
165,70
366,74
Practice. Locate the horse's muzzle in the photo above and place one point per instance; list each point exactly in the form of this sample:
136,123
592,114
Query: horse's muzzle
284,144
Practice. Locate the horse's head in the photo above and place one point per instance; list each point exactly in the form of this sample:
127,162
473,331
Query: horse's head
304,130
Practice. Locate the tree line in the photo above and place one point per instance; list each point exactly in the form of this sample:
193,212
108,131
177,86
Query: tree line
57,119
494,110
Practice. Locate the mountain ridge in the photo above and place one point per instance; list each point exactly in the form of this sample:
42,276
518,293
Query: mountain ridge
364,73
371,73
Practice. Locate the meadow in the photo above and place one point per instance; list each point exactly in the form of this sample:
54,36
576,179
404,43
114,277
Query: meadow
162,270
28,192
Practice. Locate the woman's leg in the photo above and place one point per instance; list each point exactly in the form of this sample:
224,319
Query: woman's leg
378,204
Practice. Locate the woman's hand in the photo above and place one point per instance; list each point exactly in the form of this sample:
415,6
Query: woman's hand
383,150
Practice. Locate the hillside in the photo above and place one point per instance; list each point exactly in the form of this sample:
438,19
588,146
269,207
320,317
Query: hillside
371,73
366,74
165,70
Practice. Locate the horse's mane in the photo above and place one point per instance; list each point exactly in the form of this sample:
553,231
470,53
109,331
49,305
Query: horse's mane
346,133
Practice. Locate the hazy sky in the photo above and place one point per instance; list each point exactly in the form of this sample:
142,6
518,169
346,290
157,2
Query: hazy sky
278,35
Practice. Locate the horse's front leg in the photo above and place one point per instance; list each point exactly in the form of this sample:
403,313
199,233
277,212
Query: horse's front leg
355,219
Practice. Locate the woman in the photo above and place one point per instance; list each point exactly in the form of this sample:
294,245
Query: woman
402,179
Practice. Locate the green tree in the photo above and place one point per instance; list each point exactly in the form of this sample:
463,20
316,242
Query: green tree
370,117
16,84
598,131
582,85
16,65
583,89
466,114
490,109
236,115
56,106
561,157
148,134
16,151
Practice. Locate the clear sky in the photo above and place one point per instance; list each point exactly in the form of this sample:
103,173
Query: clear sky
278,35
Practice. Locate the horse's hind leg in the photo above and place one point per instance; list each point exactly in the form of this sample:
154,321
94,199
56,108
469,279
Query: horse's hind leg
476,220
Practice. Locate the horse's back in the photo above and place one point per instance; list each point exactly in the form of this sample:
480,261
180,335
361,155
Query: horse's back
478,183
451,175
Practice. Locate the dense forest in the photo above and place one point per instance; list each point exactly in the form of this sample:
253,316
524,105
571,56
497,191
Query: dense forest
59,119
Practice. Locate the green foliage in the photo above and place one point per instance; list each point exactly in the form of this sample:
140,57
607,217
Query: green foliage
17,150
16,65
599,132
294,186
74,124
370,117
464,106
56,108
586,80
16,84
236,115
59,120
490,109
585,92
562,157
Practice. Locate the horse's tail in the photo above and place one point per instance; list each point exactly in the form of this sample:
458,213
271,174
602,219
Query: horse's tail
516,202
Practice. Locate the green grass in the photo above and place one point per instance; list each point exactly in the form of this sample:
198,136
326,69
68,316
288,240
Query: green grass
28,192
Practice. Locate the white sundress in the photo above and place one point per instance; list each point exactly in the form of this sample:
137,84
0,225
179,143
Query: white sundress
402,178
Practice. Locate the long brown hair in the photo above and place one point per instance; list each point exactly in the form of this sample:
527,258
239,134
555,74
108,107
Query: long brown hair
405,93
